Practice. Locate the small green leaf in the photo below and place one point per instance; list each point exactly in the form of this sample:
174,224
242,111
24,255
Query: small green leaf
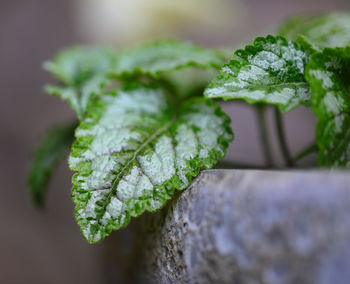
82,72
325,30
328,74
134,149
163,56
271,71
52,149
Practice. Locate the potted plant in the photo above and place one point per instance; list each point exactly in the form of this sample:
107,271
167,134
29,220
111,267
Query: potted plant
148,124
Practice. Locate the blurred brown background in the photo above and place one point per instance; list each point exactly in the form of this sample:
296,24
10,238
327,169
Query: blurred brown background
46,247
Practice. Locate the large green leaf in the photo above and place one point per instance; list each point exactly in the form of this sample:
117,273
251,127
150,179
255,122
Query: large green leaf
325,30
52,149
163,56
271,71
83,73
329,76
133,150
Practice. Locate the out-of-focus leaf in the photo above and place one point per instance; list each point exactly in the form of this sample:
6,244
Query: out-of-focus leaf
54,146
329,76
83,73
320,31
164,56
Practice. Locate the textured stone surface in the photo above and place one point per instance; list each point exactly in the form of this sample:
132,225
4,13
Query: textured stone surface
247,227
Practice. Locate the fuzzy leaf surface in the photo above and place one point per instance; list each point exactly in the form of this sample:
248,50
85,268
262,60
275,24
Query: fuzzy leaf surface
270,71
133,150
52,149
328,74
163,56
83,73
325,30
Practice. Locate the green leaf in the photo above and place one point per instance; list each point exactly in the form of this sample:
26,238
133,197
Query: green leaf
271,71
164,56
52,149
328,74
325,30
83,73
134,149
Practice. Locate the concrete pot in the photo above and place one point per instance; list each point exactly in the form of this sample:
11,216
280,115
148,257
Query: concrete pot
242,226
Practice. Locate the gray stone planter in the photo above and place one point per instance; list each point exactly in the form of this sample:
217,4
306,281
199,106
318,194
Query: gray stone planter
242,226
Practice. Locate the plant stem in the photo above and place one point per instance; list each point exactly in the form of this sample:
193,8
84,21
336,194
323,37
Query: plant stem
282,138
264,137
312,148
